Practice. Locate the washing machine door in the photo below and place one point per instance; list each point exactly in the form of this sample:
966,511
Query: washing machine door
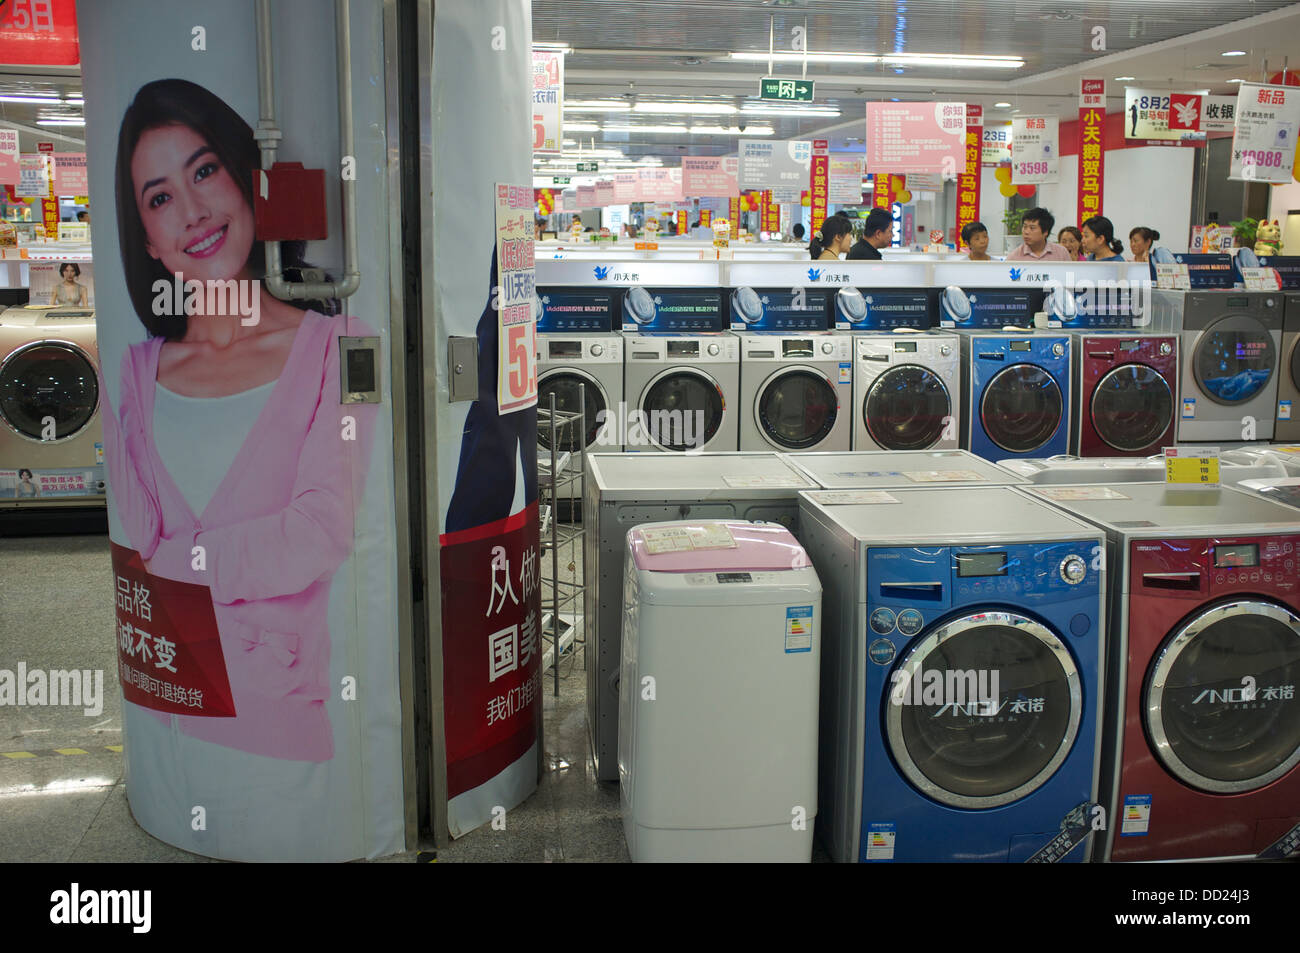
565,385
683,409
48,379
1233,360
796,408
1219,700
1132,407
1021,408
905,408
1295,361
984,753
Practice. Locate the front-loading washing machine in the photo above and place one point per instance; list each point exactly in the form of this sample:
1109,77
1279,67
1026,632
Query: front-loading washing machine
906,391
882,469
1202,723
962,646
1288,381
795,391
1127,390
51,447
682,391
1229,346
1017,387
625,490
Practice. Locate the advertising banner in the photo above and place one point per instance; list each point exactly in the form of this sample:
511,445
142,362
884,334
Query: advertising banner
996,142
819,182
66,284
604,194
882,194
9,156
1147,115
1218,113
70,173
968,179
1092,148
1264,137
845,180
780,166
517,335
251,517
627,187
1035,150
586,196
548,102
713,177
39,33
733,216
34,173
916,137
658,185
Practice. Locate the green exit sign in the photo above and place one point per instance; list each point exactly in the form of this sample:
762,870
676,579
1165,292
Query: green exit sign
588,166
559,180
786,90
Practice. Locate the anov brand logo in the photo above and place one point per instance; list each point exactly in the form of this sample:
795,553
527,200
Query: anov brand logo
814,274
1015,274
602,272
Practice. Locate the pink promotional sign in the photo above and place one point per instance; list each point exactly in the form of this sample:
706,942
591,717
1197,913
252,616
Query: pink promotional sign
70,173
916,137
604,194
586,196
627,187
710,177
8,156
845,180
658,185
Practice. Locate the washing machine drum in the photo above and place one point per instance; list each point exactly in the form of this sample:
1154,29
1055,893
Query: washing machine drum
906,407
983,744
47,380
1234,359
682,410
566,385
1132,407
1021,408
1295,361
1219,699
797,409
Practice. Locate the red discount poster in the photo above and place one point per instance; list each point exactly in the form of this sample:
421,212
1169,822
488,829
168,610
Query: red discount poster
968,182
39,33
733,213
1092,147
819,180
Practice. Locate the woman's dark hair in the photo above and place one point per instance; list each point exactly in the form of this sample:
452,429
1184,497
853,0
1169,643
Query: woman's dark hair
1043,217
971,229
1101,226
797,231
76,269
1149,235
1078,235
178,102
22,471
832,228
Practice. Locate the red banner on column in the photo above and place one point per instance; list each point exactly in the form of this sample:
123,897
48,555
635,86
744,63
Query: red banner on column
1092,147
683,221
968,182
819,180
733,213
706,217
39,33
882,195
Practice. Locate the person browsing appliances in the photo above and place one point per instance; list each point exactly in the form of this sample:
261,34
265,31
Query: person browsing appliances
1034,229
1099,238
832,240
877,232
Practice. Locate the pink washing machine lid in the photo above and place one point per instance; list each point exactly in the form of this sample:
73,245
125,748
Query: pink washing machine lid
705,546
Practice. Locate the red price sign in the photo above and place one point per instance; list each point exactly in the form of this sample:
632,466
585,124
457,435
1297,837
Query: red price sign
39,32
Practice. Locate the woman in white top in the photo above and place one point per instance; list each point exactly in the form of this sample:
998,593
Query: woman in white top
69,291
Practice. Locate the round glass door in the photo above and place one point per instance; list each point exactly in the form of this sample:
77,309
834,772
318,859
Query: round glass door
682,410
1234,359
1021,408
1005,741
1132,407
44,380
565,386
796,409
1295,360
905,408
1220,704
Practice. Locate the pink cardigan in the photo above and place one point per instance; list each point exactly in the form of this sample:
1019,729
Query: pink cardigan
275,531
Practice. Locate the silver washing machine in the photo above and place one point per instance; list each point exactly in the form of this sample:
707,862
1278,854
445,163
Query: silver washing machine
906,392
795,391
682,391
1230,346
51,446
1288,381
883,469
1279,489
1234,467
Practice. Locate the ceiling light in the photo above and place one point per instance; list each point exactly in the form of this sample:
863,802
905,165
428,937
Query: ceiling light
1234,81
1234,53
761,109
66,121
1001,105
784,57
1120,79
581,127
708,109
956,59
579,106
732,131
553,47
623,127
14,98
75,101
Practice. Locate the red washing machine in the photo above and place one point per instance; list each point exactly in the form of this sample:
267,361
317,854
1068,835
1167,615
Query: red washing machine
1128,388
1202,722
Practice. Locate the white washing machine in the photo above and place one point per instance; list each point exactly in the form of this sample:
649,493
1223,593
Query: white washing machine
51,447
1278,489
795,391
1234,467
682,391
880,470
717,746
906,392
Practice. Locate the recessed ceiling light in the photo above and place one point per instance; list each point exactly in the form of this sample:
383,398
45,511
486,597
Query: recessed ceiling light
1120,79
44,100
1233,53
69,121
1235,81
710,109
1001,105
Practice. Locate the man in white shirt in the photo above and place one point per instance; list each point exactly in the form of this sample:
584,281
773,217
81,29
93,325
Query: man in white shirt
1034,229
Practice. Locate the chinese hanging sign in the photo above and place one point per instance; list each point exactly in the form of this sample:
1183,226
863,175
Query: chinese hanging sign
1035,156
710,177
968,181
1264,137
845,186
819,182
548,101
1092,147
780,166
516,371
1147,115
916,137
39,33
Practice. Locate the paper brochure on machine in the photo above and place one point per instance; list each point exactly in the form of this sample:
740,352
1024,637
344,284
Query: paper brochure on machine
1079,493
679,539
762,481
944,476
851,496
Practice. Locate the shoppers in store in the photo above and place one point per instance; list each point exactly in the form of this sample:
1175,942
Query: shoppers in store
1069,238
976,237
1098,240
798,232
877,233
1140,239
834,239
1034,246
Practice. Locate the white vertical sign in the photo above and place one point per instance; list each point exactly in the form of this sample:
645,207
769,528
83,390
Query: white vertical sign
548,101
1264,138
1035,155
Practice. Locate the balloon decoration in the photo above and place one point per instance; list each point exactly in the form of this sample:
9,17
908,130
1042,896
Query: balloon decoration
1027,190
1003,174
1288,77
1007,189
805,199
903,197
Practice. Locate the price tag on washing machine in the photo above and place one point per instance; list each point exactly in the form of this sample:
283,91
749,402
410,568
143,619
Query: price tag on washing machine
1261,279
1173,276
836,497
678,539
945,476
1191,468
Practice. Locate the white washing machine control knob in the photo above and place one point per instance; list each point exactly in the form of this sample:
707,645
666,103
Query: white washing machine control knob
827,347
1165,348
1073,569
945,349
714,350
597,350
1058,349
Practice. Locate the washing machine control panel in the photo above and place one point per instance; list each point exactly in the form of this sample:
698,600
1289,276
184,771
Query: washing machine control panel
1219,566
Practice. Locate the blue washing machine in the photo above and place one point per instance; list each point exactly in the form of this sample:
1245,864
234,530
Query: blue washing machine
962,645
1018,387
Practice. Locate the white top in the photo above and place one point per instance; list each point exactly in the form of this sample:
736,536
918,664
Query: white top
198,437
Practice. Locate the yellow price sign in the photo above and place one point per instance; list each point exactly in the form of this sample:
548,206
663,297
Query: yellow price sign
1192,471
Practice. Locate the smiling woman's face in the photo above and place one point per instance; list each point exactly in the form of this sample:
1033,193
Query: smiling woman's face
195,218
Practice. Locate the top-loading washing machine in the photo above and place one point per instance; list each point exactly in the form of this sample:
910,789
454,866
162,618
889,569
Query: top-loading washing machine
906,391
962,640
1126,387
1018,391
1230,343
796,391
1202,723
1279,489
1234,467
878,470
51,447
1288,381
625,490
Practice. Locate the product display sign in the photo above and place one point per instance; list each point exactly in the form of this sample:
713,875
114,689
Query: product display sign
68,284
1207,271
1218,113
819,183
968,176
996,139
516,369
884,310
1287,268
1092,148
845,180
1264,137
70,173
992,308
1146,115
780,166
778,309
33,176
713,177
672,310
916,137
548,102
1035,152
1191,468
9,174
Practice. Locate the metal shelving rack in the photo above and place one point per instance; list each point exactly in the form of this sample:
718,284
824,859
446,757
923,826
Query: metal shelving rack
562,627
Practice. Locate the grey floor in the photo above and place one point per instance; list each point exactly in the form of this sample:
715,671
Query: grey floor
62,796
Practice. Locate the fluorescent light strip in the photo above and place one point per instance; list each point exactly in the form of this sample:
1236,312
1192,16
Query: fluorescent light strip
702,109
943,59
732,131
79,121
596,107
553,47
756,109
784,57
608,127
42,100
581,127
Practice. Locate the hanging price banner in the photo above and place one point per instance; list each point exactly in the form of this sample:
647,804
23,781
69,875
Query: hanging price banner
1035,157
1264,138
1195,468
517,325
